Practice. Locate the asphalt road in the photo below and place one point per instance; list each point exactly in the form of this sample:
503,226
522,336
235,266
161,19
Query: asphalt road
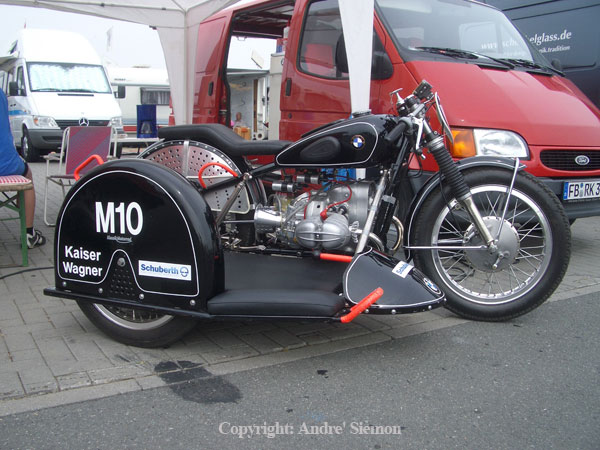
529,383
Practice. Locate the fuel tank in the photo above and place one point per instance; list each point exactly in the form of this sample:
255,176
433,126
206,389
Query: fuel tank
356,142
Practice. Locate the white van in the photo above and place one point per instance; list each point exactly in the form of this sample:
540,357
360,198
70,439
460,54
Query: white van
54,79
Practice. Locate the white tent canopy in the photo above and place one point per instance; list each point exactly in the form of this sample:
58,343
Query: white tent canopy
177,24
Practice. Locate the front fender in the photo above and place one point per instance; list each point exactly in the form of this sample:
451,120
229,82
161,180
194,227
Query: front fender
435,180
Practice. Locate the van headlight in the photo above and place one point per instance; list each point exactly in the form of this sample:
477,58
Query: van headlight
44,122
486,142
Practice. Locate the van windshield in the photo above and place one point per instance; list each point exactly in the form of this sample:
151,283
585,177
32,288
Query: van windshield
67,77
426,29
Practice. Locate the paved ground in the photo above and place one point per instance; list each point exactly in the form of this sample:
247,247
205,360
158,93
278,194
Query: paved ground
50,354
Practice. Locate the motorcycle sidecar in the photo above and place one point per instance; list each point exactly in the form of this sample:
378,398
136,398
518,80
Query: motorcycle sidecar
137,246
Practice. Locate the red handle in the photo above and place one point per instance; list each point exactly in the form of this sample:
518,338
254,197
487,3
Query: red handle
207,165
80,167
334,257
362,305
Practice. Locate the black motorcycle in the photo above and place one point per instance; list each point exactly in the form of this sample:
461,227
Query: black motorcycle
190,230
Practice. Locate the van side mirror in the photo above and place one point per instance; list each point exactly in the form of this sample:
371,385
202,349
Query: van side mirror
13,89
341,60
381,65
120,92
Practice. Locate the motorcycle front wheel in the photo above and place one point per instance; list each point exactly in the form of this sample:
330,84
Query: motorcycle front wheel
534,244
137,327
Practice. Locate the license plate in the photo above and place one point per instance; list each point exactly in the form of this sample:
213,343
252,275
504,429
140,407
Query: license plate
579,190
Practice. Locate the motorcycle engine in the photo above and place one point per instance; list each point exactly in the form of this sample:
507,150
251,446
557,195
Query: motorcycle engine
328,219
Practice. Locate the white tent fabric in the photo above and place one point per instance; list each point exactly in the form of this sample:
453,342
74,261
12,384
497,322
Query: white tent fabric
357,25
177,24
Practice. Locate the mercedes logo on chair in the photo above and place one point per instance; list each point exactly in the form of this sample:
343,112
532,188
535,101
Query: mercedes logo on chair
83,122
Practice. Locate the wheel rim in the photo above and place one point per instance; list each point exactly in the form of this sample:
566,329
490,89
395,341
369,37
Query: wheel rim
25,147
133,319
526,240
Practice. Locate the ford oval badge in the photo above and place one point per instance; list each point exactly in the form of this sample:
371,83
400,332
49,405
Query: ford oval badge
582,160
358,141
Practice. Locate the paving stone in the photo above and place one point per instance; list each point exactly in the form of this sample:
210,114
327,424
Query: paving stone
19,341
423,327
314,338
55,349
254,327
150,382
261,343
374,323
51,332
62,320
83,347
225,339
32,316
8,310
151,357
23,328
10,385
10,323
185,353
229,354
284,338
38,381
27,355
116,352
346,331
66,367
73,380
111,374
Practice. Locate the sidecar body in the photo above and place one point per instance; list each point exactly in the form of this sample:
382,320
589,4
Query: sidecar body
136,234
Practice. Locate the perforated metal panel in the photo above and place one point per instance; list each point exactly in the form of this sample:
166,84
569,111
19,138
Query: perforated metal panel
188,157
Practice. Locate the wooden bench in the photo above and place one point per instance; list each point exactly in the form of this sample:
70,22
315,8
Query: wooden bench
13,189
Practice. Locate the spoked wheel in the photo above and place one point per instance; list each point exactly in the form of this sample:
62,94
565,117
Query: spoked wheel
137,327
533,240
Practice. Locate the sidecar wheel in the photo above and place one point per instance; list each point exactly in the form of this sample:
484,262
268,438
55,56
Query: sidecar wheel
534,242
137,327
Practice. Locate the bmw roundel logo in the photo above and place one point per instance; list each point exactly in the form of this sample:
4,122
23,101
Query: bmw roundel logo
582,160
358,141
432,287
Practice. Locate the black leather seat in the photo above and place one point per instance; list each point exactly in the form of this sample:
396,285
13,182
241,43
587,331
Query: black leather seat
223,138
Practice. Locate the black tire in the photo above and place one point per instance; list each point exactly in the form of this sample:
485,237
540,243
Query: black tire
535,237
137,327
29,152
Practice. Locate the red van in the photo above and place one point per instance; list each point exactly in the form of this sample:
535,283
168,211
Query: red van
500,95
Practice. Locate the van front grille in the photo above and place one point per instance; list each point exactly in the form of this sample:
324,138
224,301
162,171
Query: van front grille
571,160
75,123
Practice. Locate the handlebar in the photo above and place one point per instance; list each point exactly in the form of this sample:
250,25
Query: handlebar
393,136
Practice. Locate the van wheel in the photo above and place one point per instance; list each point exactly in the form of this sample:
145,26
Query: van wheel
28,150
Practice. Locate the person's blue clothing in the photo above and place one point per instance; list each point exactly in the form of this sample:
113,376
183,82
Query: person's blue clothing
10,161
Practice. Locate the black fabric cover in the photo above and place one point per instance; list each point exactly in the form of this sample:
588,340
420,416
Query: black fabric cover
276,302
223,138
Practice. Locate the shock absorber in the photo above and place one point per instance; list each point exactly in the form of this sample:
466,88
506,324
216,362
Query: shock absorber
457,183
